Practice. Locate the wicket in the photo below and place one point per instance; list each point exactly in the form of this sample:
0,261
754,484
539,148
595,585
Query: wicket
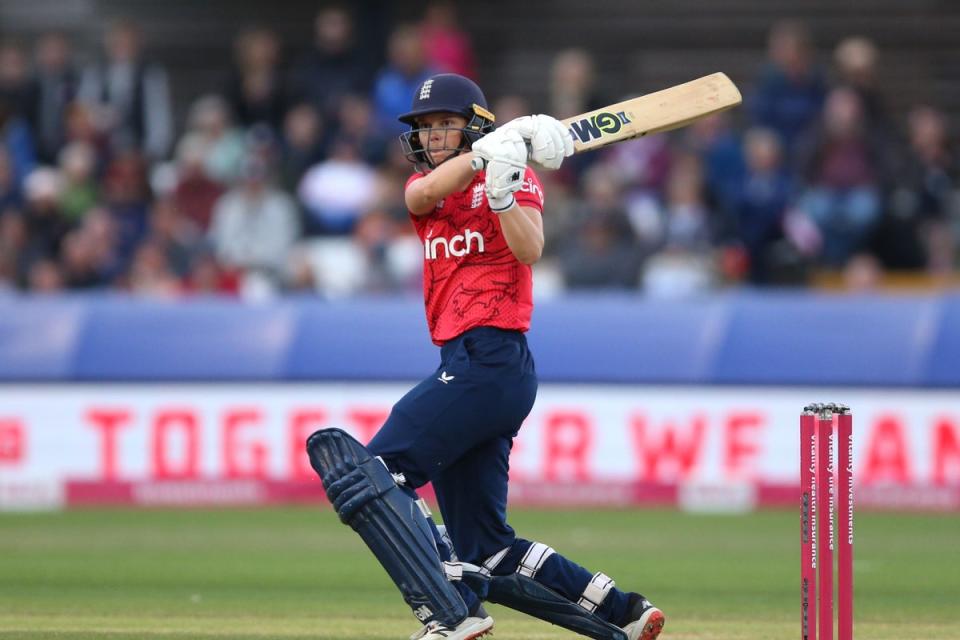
818,494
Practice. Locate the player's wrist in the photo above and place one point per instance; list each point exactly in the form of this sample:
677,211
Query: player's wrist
502,205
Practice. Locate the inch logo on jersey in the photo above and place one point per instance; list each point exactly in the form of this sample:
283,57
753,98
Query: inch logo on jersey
457,246
596,126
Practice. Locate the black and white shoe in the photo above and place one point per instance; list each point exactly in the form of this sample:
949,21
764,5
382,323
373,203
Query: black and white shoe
643,620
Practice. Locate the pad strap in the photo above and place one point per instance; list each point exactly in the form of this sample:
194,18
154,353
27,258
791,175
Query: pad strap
491,563
597,589
445,539
533,559
454,571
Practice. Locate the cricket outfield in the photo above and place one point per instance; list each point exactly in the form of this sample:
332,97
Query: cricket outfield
298,573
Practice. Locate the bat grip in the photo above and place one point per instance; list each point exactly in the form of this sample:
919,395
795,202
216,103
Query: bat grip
479,163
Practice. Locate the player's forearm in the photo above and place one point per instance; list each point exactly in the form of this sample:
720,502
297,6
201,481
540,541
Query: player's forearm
523,232
451,176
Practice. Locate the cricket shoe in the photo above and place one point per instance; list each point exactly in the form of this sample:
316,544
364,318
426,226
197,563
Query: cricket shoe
643,620
478,613
471,627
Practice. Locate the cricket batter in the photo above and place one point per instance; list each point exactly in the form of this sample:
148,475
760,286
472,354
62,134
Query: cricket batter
481,231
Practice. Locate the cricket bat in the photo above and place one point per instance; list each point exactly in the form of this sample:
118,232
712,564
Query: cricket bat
656,112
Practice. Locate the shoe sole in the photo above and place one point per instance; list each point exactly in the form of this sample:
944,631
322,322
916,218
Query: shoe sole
650,624
653,626
480,634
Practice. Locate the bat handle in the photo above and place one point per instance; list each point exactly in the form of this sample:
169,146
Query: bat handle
479,163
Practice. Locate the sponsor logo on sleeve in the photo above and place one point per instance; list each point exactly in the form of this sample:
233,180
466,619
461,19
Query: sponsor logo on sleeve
529,186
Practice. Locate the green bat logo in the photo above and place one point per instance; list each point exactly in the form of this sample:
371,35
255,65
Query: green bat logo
603,123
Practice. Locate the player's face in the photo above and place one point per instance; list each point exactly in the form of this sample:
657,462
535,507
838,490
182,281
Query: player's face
440,134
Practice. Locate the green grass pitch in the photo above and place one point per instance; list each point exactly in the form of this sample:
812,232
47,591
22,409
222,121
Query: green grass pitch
290,573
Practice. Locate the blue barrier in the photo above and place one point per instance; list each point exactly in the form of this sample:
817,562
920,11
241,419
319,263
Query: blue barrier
778,338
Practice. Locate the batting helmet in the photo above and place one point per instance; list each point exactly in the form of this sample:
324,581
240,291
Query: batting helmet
446,92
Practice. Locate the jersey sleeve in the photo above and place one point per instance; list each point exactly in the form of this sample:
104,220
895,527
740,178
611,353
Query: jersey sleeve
413,179
410,181
531,192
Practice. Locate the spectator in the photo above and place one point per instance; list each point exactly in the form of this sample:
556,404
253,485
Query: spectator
79,261
689,223
446,45
10,193
509,107
357,126
334,66
175,235
209,277
643,168
16,142
718,145
254,225
255,90
211,129
8,271
53,87
790,93
80,127
46,226
45,277
99,226
195,193
842,171
14,79
302,145
150,274
601,250
759,202
915,234
572,87
80,192
856,59
14,256
572,91
406,70
392,176
127,197
130,94
684,265
337,191
375,236
7,275
300,275
863,273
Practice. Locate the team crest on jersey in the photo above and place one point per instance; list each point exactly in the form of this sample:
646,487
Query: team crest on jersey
477,198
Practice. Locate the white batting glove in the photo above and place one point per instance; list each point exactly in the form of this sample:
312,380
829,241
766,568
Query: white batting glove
549,139
503,144
503,179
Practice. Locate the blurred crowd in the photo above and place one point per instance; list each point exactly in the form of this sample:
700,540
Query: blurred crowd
289,177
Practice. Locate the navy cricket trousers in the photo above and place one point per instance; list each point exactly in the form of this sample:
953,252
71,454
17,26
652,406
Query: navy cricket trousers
455,429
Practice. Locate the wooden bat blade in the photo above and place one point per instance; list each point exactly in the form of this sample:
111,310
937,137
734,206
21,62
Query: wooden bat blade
664,110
